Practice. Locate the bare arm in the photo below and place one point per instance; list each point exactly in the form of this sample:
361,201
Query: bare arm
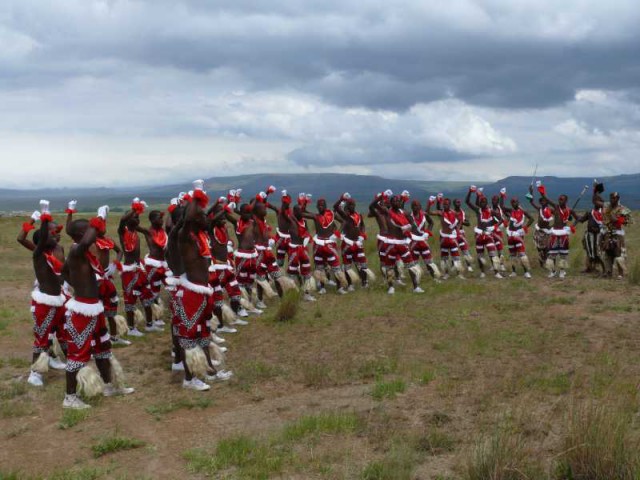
119,253
123,222
530,219
467,200
23,240
44,238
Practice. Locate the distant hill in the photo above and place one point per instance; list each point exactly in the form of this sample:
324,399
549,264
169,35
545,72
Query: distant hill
329,185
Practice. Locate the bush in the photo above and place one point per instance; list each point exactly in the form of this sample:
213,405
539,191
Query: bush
288,306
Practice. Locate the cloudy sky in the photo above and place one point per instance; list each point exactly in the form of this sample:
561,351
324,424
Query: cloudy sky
136,92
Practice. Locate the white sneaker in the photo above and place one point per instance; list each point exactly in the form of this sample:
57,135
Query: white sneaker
134,332
342,291
221,376
153,328
483,275
445,276
256,311
56,364
551,274
309,298
391,291
223,349
469,269
239,321
322,291
418,290
159,323
261,305
461,277
351,288
73,402
497,275
195,384
527,275
513,274
226,329
217,339
562,274
400,282
331,283
242,313
120,341
177,367
35,379
111,391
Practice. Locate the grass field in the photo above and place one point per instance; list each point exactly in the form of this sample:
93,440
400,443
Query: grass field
475,379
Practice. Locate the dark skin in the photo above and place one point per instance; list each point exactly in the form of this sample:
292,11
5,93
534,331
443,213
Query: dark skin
416,208
561,205
446,207
515,205
196,267
394,230
349,228
49,283
296,215
218,217
381,218
542,205
155,251
247,239
81,276
322,232
482,204
172,254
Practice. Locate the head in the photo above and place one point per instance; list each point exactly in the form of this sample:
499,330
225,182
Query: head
321,204
396,202
495,201
155,218
350,206
77,228
482,202
134,221
515,203
457,204
562,200
177,213
260,210
614,199
544,203
415,206
297,211
246,211
54,235
446,204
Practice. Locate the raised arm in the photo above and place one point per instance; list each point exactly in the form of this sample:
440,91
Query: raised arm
531,200
530,219
467,199
44,234
26,228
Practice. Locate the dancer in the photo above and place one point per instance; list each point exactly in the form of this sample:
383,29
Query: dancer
463,243
615,216
485,230
593,233
155,265
449,225
299,262
518,226
542,233
420,238
353,238
283,214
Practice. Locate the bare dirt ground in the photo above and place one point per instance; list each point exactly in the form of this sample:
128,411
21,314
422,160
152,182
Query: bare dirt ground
415,381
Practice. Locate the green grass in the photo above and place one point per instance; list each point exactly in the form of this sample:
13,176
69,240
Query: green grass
435,442
12,389
397,464
115,443
288,306
70,418
382,390
377,367
324,423
163,408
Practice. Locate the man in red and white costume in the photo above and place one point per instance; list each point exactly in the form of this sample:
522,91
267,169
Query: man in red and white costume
449,225
47,299
299,263
485,232
557,263
135,285
397,243
108,291
463,243
325,248
353,238
194,300
155,265
382,219
519,222
542,233
420,238
85,325
501,220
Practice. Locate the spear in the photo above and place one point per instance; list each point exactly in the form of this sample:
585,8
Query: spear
533,179
584,190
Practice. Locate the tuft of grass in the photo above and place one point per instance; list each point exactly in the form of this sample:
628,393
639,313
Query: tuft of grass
115,443
501,456
159,409
288,306
427,377
398,464
557,384
324,423
13,409
12,390
435,442
377,367
633,276
70,418
599,445
316,375
390,389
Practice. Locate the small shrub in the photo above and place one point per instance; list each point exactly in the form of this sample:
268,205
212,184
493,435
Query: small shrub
160,409
115,443
633,276
377,367
398,464
388,389
288,306
435,442
327,423
70,418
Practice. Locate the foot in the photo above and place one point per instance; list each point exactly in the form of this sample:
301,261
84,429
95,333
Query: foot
74,403
309,298
391,291
243,313
418,290
342,291
562,274
469,269
527,275
400,282
261,305
56,364
226,329
322,291
351,288
195,384
120,341
483,275
111,391
221,376
153,328
134,332
239,321
497,275
217,339
513,274
35,379
256,311
177,367
223,349
331,283
551,274
445,276
159,323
